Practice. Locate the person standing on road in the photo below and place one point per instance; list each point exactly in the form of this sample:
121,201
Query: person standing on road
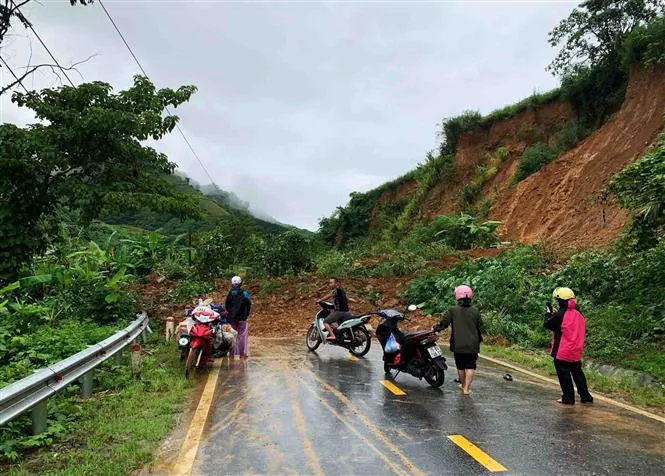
466,335
569,333
341,303
238,304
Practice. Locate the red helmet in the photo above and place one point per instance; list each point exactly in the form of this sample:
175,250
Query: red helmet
463,292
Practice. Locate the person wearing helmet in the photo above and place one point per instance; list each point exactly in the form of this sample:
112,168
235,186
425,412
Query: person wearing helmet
238,304
568,328
466,335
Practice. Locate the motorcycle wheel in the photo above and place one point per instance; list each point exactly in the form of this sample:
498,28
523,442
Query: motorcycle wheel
435,375
313,338
361,335
192,358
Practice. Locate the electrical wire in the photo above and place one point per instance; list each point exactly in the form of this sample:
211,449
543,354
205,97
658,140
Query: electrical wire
47,49
129,48
13,74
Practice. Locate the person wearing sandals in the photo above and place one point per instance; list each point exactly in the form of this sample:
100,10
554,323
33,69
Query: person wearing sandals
466,335
568,328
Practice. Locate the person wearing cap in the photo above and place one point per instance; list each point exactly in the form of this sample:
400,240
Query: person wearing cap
568,328
466,335
238,304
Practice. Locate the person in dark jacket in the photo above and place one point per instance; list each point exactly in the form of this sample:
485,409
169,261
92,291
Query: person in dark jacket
568,328
341,303
238,304
466,335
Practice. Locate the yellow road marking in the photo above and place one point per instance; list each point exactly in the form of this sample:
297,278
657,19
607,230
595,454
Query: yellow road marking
394,467
596,396
190,446
413,469
299,419
392,387
477,454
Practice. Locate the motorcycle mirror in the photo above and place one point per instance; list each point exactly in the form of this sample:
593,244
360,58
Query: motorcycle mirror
412,307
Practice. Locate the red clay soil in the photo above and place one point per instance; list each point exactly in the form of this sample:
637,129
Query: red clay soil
561,204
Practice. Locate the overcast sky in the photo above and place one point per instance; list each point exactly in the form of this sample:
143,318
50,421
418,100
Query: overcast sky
301,103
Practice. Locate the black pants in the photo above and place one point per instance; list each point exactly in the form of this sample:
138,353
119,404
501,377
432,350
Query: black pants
567,372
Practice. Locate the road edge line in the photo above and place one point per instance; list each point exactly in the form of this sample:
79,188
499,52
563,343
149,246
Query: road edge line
190,445
597,396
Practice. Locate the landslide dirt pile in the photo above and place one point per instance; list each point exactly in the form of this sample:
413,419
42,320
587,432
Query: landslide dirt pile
561,204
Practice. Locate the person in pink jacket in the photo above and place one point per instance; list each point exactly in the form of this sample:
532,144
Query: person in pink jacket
569,333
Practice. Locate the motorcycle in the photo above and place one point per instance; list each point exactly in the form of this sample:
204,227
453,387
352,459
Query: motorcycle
417,352
196,345
350,333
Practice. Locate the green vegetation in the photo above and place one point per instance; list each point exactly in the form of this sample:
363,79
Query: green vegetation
533,158
618,290
641,188
87,440
87,157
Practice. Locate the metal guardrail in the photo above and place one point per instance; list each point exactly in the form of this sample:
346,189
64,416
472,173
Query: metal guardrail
33,391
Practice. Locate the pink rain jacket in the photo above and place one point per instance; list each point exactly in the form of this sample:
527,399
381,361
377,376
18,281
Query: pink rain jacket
573,335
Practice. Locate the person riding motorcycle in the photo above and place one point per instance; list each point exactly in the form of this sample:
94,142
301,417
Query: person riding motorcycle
341,303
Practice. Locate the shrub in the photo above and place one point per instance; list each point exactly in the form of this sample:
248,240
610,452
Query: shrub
640,187
190,289
287,253
568,136
332,263
533,158
463,232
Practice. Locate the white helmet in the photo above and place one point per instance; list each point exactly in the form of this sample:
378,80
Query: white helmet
236,281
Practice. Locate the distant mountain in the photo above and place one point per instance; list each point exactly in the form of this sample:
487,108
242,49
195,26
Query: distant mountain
215,205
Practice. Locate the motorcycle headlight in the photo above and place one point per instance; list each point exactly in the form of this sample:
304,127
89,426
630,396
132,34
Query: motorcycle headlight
183,341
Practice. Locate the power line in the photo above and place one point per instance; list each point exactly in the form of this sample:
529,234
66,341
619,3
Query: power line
13,74
47,49
165,107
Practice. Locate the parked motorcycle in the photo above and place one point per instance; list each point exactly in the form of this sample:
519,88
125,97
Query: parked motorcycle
415,353
351,333
196,345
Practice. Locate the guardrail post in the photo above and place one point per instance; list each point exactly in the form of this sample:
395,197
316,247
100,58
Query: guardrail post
136,359
118,357
86,384
144,335
39,413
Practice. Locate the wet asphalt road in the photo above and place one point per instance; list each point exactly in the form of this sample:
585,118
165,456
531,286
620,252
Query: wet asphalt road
288,411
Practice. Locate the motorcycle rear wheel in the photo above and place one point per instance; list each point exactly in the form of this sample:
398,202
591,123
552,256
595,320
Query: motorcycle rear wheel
435,375
365,340
313,338
192,358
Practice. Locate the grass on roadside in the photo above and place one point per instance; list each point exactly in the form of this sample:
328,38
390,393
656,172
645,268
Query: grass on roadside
118,429
541,363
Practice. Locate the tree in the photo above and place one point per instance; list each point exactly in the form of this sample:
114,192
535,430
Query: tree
87,155
596,30
10,9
